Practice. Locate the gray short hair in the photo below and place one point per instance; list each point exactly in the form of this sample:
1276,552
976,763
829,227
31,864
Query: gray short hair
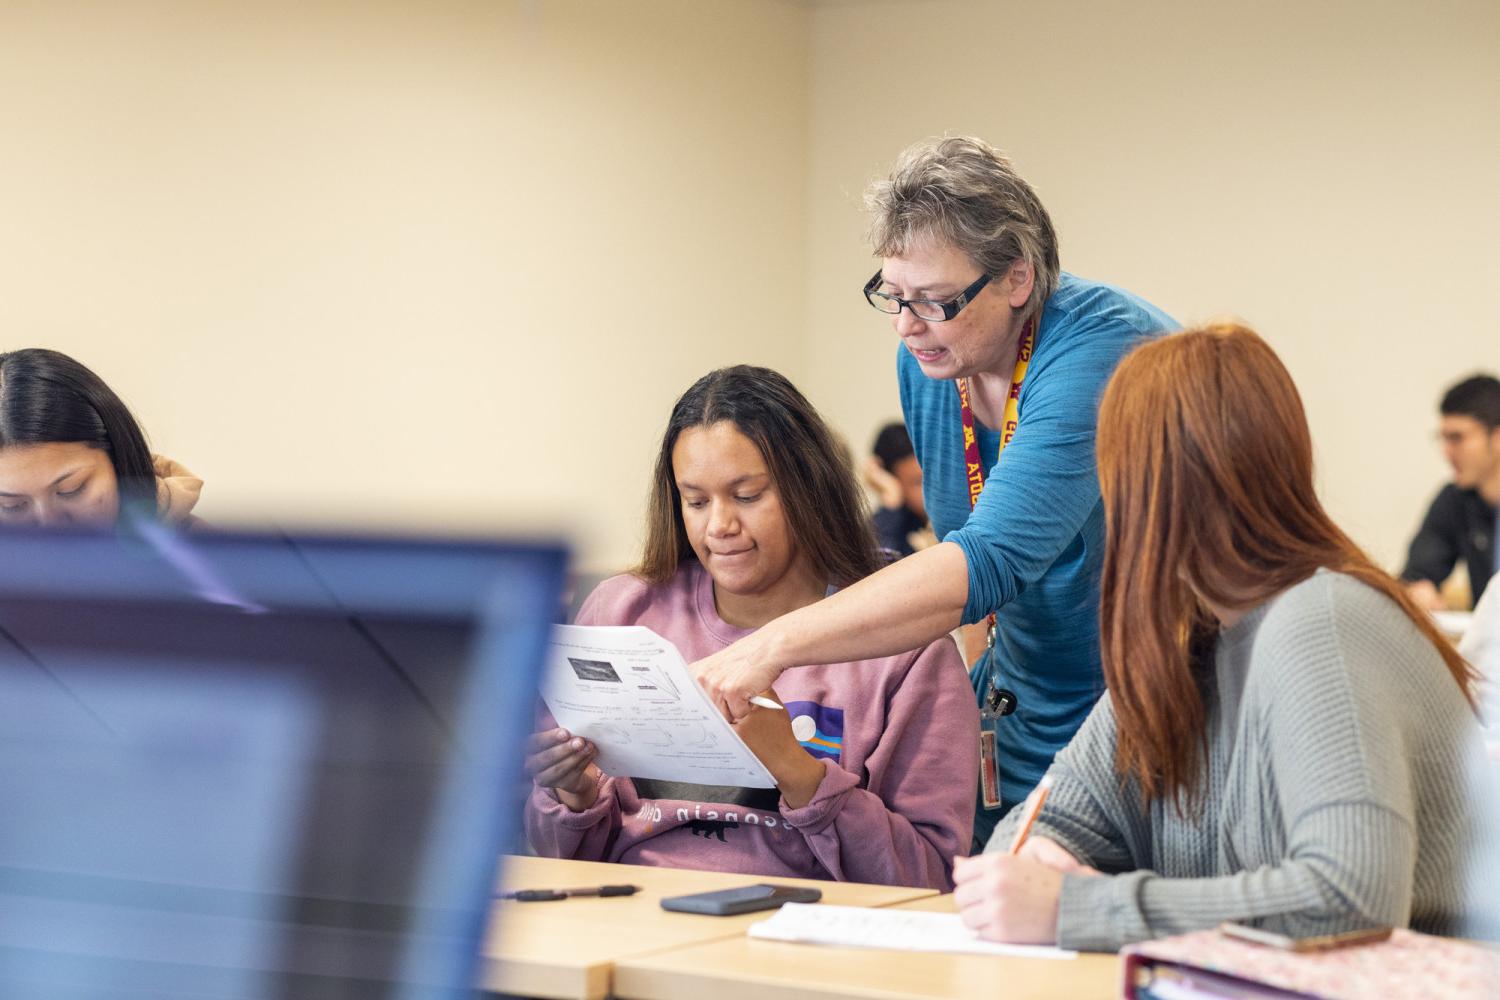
964,191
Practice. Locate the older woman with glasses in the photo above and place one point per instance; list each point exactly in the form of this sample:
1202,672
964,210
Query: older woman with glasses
1002,362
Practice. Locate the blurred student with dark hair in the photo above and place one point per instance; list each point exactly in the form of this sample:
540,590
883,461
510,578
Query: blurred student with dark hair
894,475
1286,739
71,453
1462,523
754,512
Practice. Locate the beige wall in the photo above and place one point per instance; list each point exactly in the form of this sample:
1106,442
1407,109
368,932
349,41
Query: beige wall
434,264
1324,170
445,265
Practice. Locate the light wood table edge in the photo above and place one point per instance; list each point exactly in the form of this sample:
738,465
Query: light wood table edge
541,979
634,982
522,978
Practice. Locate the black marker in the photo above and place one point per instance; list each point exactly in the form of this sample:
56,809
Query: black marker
547,895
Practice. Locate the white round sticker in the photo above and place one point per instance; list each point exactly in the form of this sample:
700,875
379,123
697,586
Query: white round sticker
804,728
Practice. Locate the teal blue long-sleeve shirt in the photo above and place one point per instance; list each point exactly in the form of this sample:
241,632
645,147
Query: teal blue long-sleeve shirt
1035,542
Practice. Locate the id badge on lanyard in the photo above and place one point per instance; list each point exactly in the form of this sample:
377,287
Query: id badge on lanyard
995,701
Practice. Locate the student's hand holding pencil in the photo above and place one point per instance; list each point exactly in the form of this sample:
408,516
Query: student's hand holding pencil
1007,898
1054,855
1014,897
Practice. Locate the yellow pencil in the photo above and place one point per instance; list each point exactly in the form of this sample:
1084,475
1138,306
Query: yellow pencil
1033,806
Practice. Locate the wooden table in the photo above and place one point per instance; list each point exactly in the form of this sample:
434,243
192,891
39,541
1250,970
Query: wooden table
569,948
743,968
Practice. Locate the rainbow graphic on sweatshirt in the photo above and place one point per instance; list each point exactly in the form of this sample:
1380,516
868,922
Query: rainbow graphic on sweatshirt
819,729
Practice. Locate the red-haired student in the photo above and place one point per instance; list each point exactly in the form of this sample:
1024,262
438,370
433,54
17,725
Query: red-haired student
1285,740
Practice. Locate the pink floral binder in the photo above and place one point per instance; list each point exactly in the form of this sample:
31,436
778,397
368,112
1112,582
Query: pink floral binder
1407,965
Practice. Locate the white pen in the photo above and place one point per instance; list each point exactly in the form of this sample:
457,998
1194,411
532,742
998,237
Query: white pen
765,702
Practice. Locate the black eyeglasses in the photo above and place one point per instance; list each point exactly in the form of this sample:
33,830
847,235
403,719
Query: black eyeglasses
927,310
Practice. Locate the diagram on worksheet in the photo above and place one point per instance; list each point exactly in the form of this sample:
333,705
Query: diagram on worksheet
628,690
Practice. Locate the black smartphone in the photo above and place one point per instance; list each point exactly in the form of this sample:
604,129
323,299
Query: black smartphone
744,899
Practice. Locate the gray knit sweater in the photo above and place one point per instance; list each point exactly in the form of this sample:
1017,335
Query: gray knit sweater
1342,758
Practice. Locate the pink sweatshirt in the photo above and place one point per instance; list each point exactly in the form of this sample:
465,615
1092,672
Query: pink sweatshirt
897,736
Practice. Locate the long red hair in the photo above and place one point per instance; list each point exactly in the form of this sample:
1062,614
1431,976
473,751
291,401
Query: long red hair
1206,470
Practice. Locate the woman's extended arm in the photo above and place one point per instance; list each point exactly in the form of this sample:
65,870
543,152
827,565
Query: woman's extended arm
903,814
904,606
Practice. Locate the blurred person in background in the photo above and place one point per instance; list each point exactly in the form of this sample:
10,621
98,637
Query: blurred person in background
1461,523
71,453
895,477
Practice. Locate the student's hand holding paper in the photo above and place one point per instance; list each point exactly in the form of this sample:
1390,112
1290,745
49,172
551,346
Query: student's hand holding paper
558,760
1008,898
768,734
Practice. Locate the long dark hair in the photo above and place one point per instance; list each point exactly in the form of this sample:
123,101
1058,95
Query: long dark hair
1205,466
810,467
48,398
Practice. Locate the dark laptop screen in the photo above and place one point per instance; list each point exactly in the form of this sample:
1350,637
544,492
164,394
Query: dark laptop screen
236,766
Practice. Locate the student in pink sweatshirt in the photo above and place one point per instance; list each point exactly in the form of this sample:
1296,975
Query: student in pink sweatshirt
754,512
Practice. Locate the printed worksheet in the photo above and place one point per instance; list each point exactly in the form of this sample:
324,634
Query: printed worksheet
901,930
628,690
